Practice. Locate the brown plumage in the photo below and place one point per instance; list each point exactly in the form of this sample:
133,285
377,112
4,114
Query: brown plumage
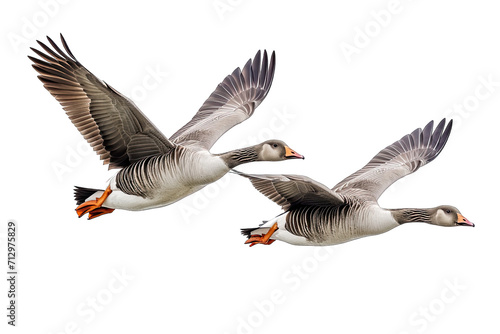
155,171
111,123
317,215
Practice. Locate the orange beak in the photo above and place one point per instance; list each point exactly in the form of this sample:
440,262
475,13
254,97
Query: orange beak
291,154
461,220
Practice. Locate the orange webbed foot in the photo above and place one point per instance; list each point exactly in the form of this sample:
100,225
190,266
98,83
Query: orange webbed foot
86,207
264,239
94,207
99,212
258,239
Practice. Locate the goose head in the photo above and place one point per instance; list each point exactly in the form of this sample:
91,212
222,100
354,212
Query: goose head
447,215
270,150
276,150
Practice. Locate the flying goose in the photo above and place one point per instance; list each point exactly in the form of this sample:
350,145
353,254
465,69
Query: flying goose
155,170
318,216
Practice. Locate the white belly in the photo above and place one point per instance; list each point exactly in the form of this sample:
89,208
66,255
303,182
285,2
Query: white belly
185,179
375,221
119,200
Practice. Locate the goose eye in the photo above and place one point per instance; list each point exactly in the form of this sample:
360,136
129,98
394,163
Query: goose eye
448,211
275,145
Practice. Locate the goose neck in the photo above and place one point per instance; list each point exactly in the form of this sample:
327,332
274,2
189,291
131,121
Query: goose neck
403,216
240,156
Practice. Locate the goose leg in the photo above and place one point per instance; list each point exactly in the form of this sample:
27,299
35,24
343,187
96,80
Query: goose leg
263,239
99,212
93,207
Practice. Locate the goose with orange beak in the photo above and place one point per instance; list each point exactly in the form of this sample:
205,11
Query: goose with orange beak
316,215
154,170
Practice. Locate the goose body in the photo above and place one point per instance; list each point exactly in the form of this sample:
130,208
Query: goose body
155,170
174,181
318,216
293,229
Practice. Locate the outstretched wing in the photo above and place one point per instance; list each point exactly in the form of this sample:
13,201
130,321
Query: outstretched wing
293,190
403,157
111,123
233,101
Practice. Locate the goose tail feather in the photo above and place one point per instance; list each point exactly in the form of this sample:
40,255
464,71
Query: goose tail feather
248,232
81,193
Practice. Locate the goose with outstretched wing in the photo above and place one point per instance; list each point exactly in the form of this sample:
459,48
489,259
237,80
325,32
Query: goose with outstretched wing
318,216
155,170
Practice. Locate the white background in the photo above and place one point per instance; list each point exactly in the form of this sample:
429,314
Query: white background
184,267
